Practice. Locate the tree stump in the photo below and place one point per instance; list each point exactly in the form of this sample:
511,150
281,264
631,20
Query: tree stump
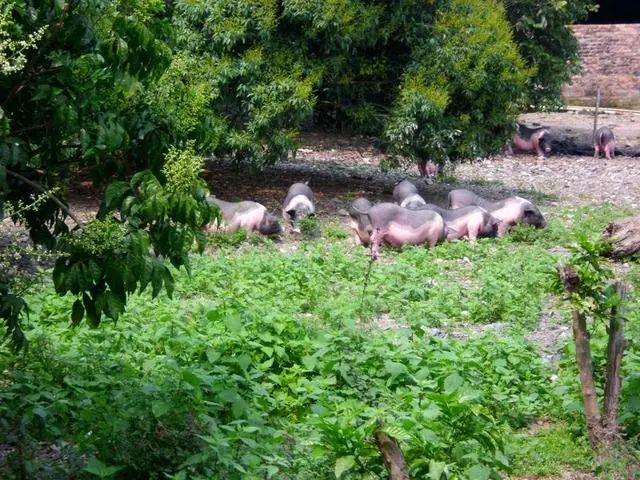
624,235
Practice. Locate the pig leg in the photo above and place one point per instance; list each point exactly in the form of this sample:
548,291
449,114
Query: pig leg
376,239
596,151
503,228
422,168
535,139
609,151
472,231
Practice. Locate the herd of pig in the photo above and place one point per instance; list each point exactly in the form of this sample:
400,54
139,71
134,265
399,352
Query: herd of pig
408,221
411,220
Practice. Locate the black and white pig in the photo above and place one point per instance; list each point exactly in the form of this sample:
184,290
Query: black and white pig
250,216
468,222
397,226
510,211
406,195
298,204
604,141
527,139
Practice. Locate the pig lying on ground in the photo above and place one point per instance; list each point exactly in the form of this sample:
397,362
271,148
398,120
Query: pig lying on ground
604,141
360,222
399,226
528,139
509,212
406,195
467,222
298,204
250,216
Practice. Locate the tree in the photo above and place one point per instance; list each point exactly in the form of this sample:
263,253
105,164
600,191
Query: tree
70,99
586,278
545,40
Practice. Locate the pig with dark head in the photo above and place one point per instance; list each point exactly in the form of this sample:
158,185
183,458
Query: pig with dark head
298,204
468,222
428,169
510,211
360,223
527,139
605,142
250,216
406,195
399,226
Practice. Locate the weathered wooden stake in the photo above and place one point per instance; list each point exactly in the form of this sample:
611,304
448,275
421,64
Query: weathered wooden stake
392,456
595,115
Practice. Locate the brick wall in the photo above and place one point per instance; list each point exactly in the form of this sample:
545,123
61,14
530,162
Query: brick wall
611,61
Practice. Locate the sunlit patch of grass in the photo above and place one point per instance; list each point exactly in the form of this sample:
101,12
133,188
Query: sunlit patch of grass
549,451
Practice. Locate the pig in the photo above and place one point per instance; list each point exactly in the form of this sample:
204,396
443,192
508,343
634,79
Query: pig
604,141
467,222
528,139
428,169
298,204
406,195
509,212
250,216
397,226
360,223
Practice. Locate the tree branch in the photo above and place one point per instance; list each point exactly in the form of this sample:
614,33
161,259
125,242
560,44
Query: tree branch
571,283
55,199
614,361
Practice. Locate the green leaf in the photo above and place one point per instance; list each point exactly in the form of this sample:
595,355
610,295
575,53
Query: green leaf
436,469
233,323
344,464
394,369
309,362
479,472
101,470
452,382
160,408
115,194
77,312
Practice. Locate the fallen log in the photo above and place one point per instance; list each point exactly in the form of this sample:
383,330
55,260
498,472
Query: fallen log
624,235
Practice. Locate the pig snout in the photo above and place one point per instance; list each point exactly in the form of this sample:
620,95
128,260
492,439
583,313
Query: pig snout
534,218
269,225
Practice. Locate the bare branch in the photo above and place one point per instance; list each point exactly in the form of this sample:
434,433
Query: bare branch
56,200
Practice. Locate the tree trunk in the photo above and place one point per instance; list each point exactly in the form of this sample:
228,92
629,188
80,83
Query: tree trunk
570,279
614,360
392,456
624,235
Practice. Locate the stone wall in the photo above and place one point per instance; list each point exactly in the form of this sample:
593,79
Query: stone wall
611,61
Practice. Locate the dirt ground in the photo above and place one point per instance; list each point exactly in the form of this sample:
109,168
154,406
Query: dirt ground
340,168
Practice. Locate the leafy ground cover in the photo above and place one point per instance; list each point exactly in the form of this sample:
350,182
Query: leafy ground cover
269,362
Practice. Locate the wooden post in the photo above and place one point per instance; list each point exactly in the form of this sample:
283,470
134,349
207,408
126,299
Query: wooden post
392,456
615,351
570,280
595,115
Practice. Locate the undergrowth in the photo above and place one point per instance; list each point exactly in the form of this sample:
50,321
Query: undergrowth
267,363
